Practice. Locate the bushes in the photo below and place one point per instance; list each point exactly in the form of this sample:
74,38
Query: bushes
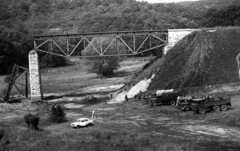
104,65
57,114
32,121
54,61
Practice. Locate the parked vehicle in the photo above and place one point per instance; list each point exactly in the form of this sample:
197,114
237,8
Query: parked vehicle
82,122
165,97
184,103
210,103
150,97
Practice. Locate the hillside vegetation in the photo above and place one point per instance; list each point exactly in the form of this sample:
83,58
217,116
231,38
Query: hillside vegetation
204,57
20,20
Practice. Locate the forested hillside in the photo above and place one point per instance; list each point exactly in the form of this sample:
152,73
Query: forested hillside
20,20
204,5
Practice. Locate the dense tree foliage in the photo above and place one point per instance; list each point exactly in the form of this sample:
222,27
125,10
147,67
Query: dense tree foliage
229,16
57,114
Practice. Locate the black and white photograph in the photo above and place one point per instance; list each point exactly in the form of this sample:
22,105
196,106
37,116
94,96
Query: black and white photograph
119,75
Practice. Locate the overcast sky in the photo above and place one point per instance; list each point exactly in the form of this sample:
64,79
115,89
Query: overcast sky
164,1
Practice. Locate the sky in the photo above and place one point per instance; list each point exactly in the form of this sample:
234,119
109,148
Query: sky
164,1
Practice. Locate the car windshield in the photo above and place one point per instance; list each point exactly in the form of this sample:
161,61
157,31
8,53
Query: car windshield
81,120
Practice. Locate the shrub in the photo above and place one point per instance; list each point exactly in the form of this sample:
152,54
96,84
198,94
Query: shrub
104,65
32,121
57,114
54,61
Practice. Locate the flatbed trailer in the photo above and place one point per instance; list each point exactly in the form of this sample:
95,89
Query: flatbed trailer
216,104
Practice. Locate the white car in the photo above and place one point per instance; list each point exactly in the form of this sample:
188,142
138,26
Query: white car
82,122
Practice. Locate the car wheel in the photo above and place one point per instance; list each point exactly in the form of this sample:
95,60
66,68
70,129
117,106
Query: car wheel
216,108
172,102
202,111
78,126
223,107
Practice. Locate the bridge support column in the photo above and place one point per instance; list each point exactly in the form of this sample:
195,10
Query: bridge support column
35,76
174,36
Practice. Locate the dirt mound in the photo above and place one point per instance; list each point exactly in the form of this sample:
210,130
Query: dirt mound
204,57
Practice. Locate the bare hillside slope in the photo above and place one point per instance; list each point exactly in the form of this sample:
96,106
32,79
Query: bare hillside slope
203,58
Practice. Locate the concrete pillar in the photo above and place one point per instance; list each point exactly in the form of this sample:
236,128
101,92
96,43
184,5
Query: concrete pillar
35,76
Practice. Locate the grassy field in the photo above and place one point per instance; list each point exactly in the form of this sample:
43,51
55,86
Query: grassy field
75,77
126,126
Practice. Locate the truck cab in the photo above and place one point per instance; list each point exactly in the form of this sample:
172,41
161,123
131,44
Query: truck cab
184,103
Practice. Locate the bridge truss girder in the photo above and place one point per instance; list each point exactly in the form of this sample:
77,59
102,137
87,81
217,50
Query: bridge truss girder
134,45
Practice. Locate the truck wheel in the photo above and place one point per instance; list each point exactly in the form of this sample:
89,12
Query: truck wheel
223,107
202,111
216,108
187,109
172,102
154,104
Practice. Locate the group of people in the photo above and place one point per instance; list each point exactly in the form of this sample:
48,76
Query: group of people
137,97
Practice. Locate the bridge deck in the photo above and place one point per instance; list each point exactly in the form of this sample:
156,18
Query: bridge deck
102,34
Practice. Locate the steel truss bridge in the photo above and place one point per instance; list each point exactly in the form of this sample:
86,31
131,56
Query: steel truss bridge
135,42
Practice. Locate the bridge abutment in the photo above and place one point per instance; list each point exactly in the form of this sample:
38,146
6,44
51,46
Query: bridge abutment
174,36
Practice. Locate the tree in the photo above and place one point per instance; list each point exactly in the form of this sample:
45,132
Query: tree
228,16
104,65
57,114
32,121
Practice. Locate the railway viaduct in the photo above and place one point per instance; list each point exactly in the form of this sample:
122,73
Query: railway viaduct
135,42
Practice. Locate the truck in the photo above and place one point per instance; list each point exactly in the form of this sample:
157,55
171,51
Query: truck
150,97
201,105
184,103
165,97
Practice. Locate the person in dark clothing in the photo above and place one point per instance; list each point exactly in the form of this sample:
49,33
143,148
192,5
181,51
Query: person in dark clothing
126,98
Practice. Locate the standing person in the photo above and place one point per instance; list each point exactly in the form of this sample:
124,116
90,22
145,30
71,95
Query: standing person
139,95
126,98
93,116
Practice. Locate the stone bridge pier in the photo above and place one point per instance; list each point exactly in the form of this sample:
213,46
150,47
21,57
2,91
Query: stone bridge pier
35,76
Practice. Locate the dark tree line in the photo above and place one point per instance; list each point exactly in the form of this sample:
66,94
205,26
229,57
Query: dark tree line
229,16
20,20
